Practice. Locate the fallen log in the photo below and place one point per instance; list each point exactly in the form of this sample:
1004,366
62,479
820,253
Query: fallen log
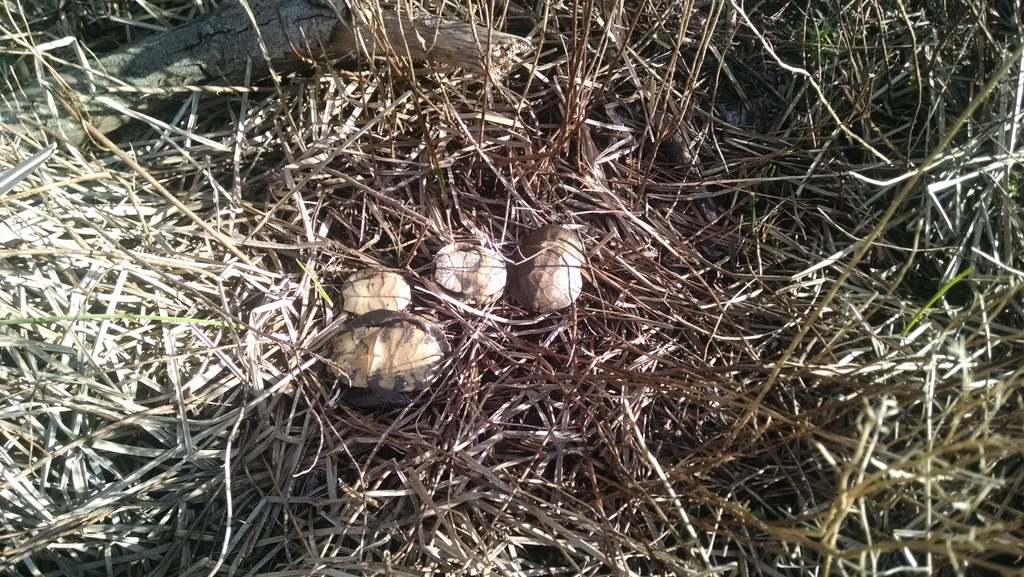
238,42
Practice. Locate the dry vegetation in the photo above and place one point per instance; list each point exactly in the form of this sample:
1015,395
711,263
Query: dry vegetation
772,195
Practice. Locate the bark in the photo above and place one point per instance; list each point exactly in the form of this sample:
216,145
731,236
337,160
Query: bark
232,44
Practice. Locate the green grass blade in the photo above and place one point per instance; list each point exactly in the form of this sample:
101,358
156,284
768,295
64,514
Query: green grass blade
935,298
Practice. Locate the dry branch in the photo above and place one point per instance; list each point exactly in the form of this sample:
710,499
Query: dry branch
233,45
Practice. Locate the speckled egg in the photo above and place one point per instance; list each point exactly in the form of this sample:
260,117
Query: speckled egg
385,358
547,274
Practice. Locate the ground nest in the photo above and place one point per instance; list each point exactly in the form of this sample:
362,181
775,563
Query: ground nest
798,347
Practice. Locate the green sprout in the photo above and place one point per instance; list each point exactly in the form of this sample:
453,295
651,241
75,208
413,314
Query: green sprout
945,288
316,282
822,44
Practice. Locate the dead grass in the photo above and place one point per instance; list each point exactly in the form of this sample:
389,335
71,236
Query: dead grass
770,196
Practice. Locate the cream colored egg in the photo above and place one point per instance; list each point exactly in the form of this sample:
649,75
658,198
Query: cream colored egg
373,289
473,273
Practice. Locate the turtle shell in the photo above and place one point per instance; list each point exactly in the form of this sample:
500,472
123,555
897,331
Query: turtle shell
372,289
473,273
547,275
385,357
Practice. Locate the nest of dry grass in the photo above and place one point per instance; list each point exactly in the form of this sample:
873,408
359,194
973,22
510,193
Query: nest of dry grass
798,350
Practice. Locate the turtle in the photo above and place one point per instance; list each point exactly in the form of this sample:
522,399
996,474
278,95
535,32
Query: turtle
473,273
372,289
385,358
547,275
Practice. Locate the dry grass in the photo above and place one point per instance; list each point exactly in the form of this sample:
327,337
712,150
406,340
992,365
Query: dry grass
771,197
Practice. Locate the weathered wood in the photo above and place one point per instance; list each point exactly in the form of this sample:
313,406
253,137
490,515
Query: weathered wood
224,48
